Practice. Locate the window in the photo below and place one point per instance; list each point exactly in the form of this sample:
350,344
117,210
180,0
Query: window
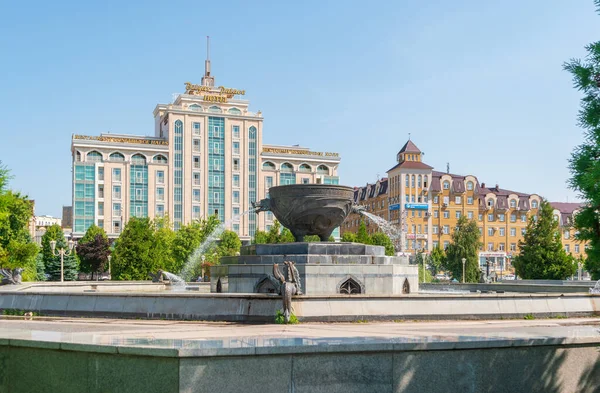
436,244
268,182
419,213
236,131
490,202
78,157
195,212
501,217
501,247
457,214
577,248
513,203
287,167
196,145
160,210
436,214
490,246
94,156
160,194
513,218
116,157
436,199
160,177
446,229
236,164
100,191
196,178
195,195
523,230
534,204
419,181
480,231
435,229
446,244
236,180
406,177
268,166
513,231
236,228
236,147
236,213
138,159
100,208
323,170
501,231
236,197
235,111
446,214
457,200
100,173
101,224
513,246
446,200
567,248
196,162
116,194
139,194
470,215
446,185
567,234
116,227
116,174
304,168
116,209
305,180
214,109
470,185
195,127
490,231
469,200
159,159
480,217
490,217
523,218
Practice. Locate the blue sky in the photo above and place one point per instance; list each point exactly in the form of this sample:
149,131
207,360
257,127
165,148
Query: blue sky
477,84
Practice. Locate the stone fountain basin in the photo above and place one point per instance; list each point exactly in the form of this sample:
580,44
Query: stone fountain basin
311,209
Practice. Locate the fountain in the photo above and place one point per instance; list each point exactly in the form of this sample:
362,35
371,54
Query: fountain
596,289
324,268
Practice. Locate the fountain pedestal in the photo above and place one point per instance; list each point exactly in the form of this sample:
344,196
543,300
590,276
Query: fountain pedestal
324,268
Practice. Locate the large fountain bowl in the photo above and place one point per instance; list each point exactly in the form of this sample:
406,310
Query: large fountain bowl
310,209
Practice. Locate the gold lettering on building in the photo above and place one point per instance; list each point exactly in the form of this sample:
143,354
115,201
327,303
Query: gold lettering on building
299,152
121,140
215,94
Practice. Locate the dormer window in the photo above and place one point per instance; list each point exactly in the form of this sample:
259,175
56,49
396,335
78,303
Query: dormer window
534,204
469,186
513,203
490,202
446,185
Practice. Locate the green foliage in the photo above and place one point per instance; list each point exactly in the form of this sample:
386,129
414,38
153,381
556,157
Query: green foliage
163,250
91,234
52,262
188,239
17,312
277,234
230,244
260,237
280,318
465,244
40,269
423,260
349,237
381,239
541,254
311,239
362,236
585,159
286,236
436,260
529,317
133,257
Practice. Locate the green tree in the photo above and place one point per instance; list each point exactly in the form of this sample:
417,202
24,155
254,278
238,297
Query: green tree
349,237
163,250
541,254
133,258
585,159
91,233
362,236
52,262
189,238
464,244
286,236
39,267
260,237
436,260
381,239
230,244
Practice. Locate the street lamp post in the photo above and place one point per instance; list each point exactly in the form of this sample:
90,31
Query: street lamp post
109,258
464,260
579,273
62,252
202,267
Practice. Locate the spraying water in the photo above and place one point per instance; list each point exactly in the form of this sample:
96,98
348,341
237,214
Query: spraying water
386,227
176,281
596,289
196,256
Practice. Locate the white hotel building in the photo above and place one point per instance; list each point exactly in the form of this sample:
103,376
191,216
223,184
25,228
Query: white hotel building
206,157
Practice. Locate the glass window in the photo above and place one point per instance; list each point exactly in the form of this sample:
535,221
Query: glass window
160,210
446,229
100,173
534,204
269,166
513,231
567,248
195,107
436,214
116,209
100,208
236,197
523,218
436,199
577,248
196,128
94,156
323,170
446,185
159,159
446,214
480,217
160,194
236,131
116,192
236,147
412,181
469,200
196,195
196,160
435,229
501,247
523,230
470,185
196,212
236,180
490,246
513,203
196,177
419,181
490,231
160,177
513,218
457,214
116,174
138,159
490,217
236,164
567,234
446,244
116,157
196,145
501,217
457,200
501,231
490,202
470,215
406,177
513,246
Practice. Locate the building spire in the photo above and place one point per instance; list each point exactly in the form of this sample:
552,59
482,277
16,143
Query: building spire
207,80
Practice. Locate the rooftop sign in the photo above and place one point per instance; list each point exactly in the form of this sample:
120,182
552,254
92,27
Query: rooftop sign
212,94
299,152
117,139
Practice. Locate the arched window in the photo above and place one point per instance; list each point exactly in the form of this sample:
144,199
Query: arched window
446,185
304,168
116,157
513,203
178,127
470,186
77,156
350,287
269,166
490,202
534,204
195,107
323,169
214,109
94,156
159,159
138,159
287,167
406,177
252,132
412,181
235,111
419,181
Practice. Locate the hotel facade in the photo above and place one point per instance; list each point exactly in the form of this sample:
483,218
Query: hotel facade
426,205
207,156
